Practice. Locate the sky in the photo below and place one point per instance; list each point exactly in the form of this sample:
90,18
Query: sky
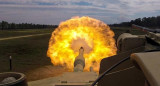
55,11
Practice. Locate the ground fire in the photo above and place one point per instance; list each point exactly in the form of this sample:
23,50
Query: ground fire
93,35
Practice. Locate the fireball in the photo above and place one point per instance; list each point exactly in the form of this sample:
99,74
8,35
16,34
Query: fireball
93,35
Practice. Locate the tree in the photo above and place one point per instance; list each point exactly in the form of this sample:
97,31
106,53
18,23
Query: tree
158,21
4,25
13,26
0,25
146,22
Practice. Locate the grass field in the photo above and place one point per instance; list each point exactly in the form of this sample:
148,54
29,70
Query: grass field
30,53
12,33
119,30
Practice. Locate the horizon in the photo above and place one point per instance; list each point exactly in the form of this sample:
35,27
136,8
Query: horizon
52,12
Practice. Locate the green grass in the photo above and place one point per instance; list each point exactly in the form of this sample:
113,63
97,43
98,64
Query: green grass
119,30
30,53
13,33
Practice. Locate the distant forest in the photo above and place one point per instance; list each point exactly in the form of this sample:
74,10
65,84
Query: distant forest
11,26
153,22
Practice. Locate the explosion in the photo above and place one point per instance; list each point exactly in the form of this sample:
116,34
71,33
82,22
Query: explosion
93,35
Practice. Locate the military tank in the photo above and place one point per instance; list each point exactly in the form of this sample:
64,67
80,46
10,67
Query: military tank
137,61
136,64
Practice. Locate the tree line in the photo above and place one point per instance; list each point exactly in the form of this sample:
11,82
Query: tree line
11,26
153,22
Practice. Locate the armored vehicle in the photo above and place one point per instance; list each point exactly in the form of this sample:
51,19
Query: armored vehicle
137,63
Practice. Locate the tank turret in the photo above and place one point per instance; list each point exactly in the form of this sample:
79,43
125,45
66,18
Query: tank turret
76,78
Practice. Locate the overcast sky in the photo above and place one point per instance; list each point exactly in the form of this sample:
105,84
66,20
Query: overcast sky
55,11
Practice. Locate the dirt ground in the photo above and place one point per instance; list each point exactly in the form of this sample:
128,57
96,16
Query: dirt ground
45,72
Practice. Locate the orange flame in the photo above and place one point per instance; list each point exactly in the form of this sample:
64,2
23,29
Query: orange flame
94,35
